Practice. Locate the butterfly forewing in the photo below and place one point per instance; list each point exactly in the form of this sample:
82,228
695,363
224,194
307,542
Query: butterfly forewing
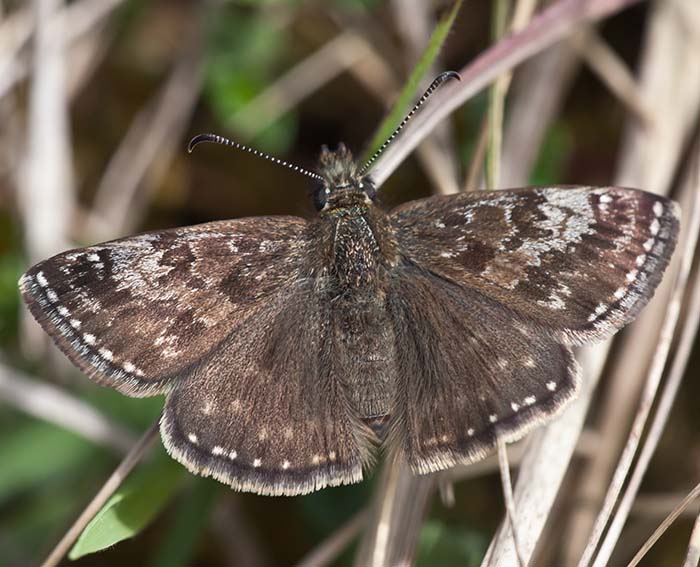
579,261
136,313
470,371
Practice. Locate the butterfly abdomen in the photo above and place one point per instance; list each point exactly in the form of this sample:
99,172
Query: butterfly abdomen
363,334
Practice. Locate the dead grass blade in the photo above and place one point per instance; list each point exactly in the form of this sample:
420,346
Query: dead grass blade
546,28
687,329
113,482
44,401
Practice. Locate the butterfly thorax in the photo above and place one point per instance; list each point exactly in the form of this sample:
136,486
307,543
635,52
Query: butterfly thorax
362,254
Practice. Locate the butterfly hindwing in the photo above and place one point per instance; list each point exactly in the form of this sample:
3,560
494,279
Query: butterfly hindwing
268,411
469,371
134,314
582,262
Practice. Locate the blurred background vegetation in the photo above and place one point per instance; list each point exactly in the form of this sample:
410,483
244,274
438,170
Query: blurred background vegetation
133,80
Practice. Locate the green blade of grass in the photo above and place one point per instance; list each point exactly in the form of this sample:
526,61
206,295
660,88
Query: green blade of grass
437,39
131,508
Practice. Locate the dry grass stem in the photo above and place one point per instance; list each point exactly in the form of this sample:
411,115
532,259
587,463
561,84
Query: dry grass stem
664,526
84,56
497,95
648,505
544,465
52,404
439,166
546,28
113,482
15,31
153,136
472,180
414,21
46,195
648,160
494,132
692,557
534,103
670,86
687,330
73,21
507,486
395,521
331,548
659,85
344,51
613,73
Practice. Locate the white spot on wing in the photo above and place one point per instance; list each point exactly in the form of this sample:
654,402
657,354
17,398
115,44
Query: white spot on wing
218,450
599,310
257,463
529,400
106,354
658,208
192,437
89,339
514,406
493,418
551,386
654,227
285,465
41,279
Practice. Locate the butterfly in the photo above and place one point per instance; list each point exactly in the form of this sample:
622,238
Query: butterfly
288,349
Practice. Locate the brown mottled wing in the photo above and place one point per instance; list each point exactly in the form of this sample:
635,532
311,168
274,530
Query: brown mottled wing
135,314
469,371
579,261
227,320
268,412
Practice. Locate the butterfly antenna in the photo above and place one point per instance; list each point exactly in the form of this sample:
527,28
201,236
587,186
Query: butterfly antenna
216,139
441,78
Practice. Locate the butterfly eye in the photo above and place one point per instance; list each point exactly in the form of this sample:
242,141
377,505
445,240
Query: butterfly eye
369,189
321,197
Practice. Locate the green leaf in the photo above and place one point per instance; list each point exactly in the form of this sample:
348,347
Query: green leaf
440,544
409,91
131,508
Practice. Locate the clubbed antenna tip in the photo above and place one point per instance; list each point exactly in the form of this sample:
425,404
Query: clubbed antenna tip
441,78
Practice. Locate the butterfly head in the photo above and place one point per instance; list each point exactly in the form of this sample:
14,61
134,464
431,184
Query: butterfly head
343,186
